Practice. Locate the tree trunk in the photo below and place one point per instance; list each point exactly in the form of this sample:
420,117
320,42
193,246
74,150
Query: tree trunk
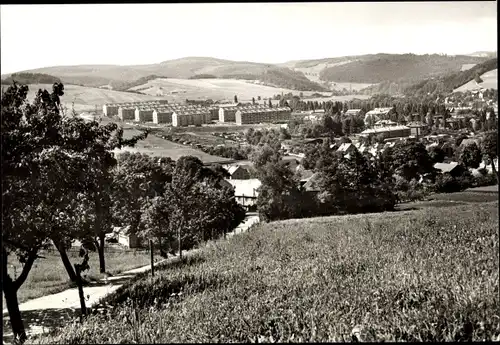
100,250
16,320
67,264
10,289
493,168
179,242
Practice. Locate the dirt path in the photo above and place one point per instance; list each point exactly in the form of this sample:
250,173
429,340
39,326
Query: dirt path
45,313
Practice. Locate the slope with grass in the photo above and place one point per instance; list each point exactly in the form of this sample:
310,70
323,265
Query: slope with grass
425,275
490,81
159,147
391,67
177,90
87,98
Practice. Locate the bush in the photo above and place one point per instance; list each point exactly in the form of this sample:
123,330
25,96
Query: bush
445,183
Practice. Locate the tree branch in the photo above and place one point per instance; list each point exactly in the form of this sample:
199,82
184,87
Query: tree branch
26,269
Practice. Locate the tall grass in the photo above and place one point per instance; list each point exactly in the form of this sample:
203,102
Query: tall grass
425,275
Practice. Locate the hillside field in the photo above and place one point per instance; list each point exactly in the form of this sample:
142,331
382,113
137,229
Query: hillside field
86,98
490,81
424,275
215,89
155,146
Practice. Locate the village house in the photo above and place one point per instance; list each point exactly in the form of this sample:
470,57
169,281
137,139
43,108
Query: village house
245,191
388,132
238,172
353,112
417,128
377,114
453,168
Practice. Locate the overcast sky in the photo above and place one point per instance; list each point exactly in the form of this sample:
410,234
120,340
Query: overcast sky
34,36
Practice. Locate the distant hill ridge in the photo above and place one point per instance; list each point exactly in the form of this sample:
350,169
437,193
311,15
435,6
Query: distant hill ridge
370,69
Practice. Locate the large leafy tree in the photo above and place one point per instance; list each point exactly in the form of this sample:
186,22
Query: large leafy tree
45,171
489,148
411,160
470,156
137,180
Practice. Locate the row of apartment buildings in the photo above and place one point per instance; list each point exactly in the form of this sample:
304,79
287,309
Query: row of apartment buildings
160,112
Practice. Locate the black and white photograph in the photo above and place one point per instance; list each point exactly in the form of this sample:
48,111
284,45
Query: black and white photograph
249,172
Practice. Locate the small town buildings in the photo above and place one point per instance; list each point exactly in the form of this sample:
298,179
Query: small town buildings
189,118
311,184
238,172
227,113
144,114
353,112
388,132
110,109
452,168
469,141
162,115
262,115
245,191
384,123
377,114
347,148
417,128
126,113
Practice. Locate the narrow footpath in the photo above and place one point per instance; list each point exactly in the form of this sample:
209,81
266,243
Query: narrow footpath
48,312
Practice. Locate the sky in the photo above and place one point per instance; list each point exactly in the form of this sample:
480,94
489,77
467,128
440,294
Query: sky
35,36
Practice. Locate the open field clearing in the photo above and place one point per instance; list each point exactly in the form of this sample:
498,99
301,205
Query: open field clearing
155,146
49,276
467,66
425,275
337,98
467,196
86,98
490,81
210,89
486,189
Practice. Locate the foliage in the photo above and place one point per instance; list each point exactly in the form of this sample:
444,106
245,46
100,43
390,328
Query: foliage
203,76
470,156
25,78
390,67
127,85
288,79
411,160
425,275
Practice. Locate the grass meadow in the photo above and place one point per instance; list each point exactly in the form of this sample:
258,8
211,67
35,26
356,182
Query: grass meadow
156,146
424,275
490,81
49,276
87,98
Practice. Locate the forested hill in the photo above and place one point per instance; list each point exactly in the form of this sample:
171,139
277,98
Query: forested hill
390,67
30,78
448,83
286,78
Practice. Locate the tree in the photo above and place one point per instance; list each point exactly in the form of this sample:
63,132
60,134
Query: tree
470,156
258,98
412,160
253,100
137,178
436,154
235,99
45,162
270,103
489,149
